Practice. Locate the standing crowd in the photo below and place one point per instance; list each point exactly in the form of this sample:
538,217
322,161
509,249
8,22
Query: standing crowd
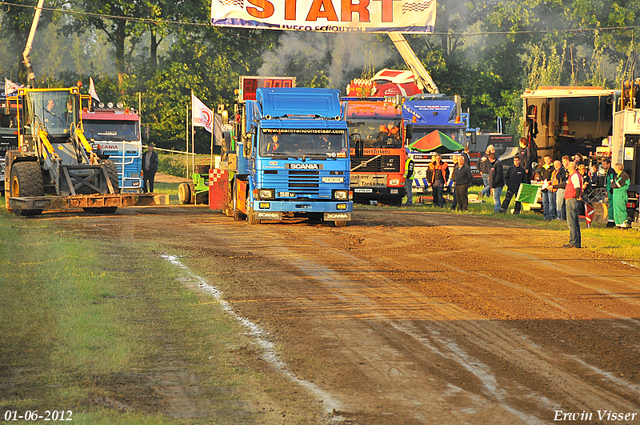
567,184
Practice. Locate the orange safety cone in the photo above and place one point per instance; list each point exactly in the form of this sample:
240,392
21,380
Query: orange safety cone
565,124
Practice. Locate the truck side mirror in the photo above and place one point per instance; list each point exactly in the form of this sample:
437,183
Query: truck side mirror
248,145
409,131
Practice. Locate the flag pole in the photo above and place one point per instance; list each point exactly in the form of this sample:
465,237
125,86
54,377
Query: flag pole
213,131
186,134
193,149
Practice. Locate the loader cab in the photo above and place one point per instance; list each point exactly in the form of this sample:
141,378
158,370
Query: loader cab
57,112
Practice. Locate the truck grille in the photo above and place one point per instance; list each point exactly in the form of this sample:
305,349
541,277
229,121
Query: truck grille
307,181
381,164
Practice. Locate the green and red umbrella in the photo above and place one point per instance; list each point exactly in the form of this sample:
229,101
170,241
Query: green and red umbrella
436,141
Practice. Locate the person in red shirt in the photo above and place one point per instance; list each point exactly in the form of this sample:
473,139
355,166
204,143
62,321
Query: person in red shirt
572,197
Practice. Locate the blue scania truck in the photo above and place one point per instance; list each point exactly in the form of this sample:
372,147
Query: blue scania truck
287,157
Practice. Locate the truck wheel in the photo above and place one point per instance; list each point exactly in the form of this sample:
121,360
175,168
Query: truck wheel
340,223
112,172
237,214
251,217
184,193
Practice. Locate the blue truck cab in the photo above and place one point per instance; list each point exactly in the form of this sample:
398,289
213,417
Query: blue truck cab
292,157
423,115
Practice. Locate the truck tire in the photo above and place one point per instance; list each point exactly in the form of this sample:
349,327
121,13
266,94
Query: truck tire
112,172
184,193
237,214
251,218
26,181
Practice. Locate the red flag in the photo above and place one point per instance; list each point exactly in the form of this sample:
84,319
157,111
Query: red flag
589,211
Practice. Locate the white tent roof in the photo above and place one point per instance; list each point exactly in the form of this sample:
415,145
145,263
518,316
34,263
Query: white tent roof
556,92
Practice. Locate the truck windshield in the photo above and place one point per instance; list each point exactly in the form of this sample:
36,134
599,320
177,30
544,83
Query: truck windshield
56,110
456,134
287,142
376,133
109,131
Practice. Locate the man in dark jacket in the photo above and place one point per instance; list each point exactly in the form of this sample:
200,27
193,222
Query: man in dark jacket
438,175
484,166
462,178
516,175
149,168
496,180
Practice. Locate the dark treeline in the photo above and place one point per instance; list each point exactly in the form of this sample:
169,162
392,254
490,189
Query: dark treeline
488,52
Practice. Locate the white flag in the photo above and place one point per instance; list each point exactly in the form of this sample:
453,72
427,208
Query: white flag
201,116
92,90
10,87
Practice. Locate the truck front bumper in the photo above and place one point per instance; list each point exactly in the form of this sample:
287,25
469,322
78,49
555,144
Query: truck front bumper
275,210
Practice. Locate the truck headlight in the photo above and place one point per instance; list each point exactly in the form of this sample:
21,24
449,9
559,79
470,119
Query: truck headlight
394,182
341,194
266,194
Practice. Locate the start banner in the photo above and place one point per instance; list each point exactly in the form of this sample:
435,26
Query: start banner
406,16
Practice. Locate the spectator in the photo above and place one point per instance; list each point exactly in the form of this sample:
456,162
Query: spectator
462,178
516,175
548,197
149,168
594,182
561,178
572,195
609,176
620,185
465,155
408,178
496,181
484,166
438,175
524,153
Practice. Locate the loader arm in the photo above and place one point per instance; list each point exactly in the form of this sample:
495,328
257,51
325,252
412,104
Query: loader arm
422,77
29,45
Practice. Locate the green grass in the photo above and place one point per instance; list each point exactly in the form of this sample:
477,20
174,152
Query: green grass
91,325
170,189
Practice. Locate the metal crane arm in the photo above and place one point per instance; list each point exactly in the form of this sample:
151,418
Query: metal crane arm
422,77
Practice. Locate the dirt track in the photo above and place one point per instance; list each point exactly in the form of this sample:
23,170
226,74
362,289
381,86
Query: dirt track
410,318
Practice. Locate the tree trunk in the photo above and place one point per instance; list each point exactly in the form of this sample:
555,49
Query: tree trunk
120,37
153,50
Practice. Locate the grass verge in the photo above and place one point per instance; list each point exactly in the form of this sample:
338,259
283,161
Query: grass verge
110,332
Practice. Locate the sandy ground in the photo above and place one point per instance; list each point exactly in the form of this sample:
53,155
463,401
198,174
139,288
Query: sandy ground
419,318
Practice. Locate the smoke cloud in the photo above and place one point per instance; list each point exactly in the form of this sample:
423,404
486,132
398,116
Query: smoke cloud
338,56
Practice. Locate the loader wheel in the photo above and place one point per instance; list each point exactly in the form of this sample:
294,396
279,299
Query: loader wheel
112,172
26,180
184,193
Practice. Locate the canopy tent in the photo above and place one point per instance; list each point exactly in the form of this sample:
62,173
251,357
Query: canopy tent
436,141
